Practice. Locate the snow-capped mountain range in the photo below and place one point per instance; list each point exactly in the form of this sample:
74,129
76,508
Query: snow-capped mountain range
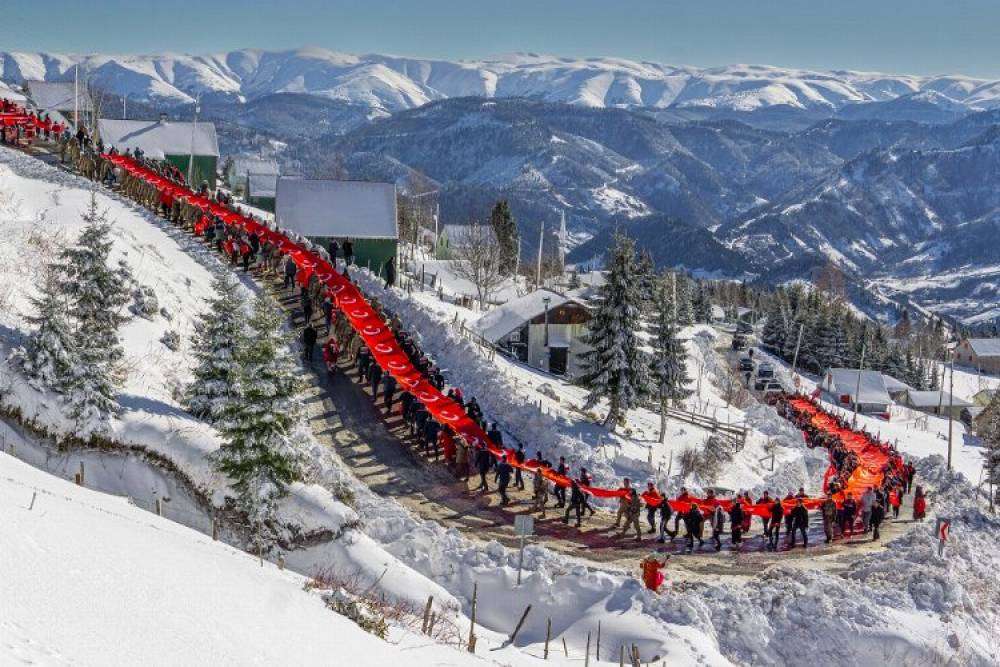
387,83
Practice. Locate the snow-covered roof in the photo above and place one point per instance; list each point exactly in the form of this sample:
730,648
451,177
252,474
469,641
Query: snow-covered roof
8,93
57,95
844,382
355,209
499,322
985,347
718,312
262,185
253,164
931,399
892,384
159,138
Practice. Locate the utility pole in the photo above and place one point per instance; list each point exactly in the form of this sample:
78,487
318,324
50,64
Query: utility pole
194,127
951,408
538,267
857,391
76,97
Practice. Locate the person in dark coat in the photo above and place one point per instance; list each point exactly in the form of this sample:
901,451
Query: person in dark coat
388,392
348,247
333,249
327,307
878,516
774,527
502,478
736,516
290,271
665,513
576,502
847,514
560,491
828,510
484,460
519,458
694,524
375,377
800,523
390,273
308,342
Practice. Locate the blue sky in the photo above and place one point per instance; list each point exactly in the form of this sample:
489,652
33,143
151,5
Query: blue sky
915,36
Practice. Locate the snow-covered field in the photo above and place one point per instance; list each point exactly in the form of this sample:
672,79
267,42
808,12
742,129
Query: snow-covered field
894,607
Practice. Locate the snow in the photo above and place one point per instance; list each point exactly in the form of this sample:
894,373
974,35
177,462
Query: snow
90,579
390,83
159,138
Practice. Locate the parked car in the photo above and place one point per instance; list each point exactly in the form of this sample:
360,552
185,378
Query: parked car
743,327
740,342
773,387
765,371
746,365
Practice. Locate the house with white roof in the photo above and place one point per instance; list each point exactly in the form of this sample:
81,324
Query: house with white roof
60,97
847,386
361,211
983,354
261,190
183,144
544,329
239,168
937,403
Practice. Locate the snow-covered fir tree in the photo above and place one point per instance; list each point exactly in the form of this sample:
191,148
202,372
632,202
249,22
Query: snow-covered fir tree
96,295
702,305
989,431
615,369
49,356
219,331
668,368
258,425
685,309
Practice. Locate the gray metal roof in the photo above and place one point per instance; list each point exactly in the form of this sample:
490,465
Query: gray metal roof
353,209
159,138
892,384
985,347
931,399
57,95
252,164
262,185
844,381
511,316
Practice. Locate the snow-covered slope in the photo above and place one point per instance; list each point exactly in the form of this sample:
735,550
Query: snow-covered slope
90,579
392,83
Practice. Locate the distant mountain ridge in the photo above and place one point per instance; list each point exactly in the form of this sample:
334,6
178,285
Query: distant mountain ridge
386,84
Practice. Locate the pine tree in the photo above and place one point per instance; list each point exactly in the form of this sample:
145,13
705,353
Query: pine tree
702,305
775,327
219,333
508,236
685,308
259,452
647,280
49,356
669,367
97,294
615,368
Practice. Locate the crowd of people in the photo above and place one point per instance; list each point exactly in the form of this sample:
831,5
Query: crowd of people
22,125
701,519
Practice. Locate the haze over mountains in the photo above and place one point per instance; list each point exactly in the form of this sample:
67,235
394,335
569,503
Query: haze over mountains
742,171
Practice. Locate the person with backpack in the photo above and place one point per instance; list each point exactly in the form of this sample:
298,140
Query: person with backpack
504,472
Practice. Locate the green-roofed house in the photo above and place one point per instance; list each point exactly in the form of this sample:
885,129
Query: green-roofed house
179,142
362,211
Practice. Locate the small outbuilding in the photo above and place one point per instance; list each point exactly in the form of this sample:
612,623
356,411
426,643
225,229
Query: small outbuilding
544,329
239,168
897,388
979,353
60,97
361,211
842,386
181,143
261,190
937,403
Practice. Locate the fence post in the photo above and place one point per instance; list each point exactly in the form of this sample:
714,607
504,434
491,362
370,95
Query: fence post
77,480
565,649
548,635
586,655
215,529
31,506
281,561
427,613
83,479
159,507
472,626
597,652
517,628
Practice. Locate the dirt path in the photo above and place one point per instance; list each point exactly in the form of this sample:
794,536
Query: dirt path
378,449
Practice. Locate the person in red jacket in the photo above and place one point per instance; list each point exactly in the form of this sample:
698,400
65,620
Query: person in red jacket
651,575
919,504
